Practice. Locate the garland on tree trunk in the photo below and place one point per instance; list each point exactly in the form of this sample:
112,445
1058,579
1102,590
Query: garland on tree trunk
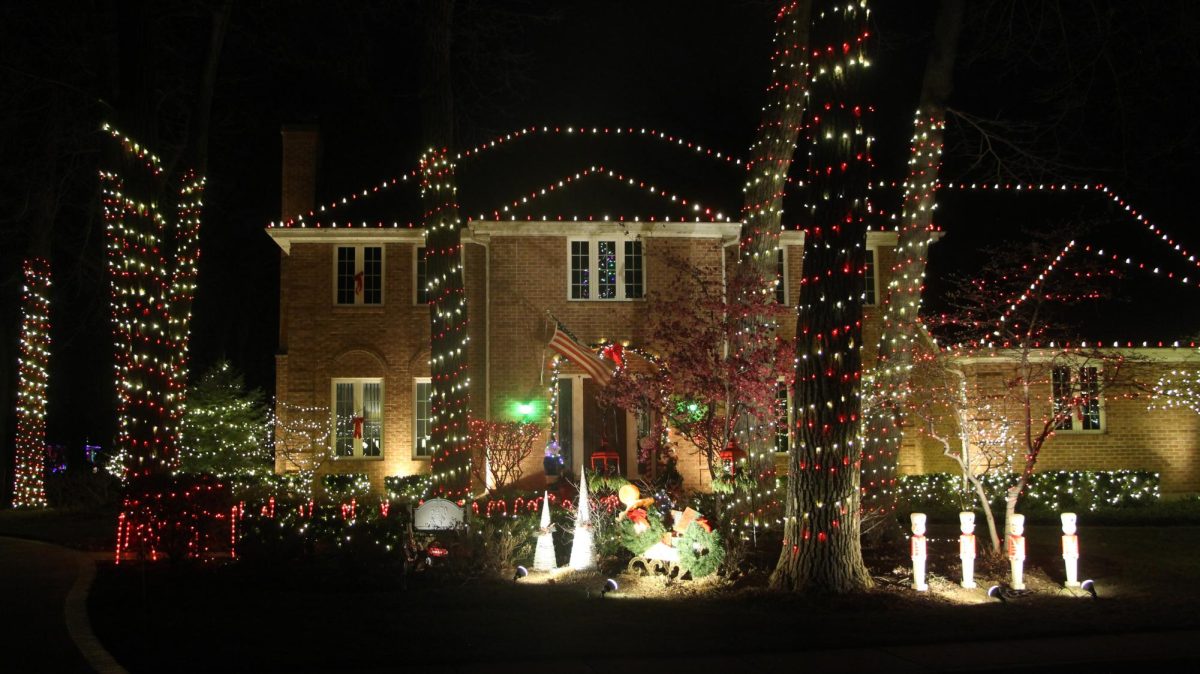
29,483
902,334
821,547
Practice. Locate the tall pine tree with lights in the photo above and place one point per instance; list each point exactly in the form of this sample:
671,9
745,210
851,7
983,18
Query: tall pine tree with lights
821,547
449,431
902,334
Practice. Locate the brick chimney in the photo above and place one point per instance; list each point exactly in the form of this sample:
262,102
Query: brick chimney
301,149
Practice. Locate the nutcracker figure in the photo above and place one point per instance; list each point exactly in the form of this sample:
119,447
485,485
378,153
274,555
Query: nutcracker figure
966,547
1070,543
1016,550
918,552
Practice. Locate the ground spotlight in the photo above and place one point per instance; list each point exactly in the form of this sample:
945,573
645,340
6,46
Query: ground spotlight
610,585
996,593
520,573
1089,586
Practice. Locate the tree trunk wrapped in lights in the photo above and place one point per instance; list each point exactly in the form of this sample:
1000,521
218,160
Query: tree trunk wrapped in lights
449,404
821,548
902,331
29,488
152,258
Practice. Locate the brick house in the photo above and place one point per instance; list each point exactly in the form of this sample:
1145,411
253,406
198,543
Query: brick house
354,335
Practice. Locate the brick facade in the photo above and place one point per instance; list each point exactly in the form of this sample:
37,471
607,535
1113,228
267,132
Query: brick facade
516,272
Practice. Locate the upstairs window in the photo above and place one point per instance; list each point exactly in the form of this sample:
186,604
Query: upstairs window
869,294
606,269
358,275
1076,398
357,418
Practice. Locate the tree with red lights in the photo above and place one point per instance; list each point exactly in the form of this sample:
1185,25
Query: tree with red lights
700,386
1009,336
821,545
449,400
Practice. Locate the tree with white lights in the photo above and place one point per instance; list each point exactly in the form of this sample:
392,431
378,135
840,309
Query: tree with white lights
225,427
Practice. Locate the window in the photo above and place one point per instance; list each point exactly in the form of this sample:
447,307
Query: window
358,275
780,276
420,279
869,277
422,408
606,270
783,416
358,418
1076,400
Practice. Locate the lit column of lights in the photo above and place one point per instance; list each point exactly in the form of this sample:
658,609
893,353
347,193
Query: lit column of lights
696,207
450,465
821,547
152,271
413,176
775,143
887,383
29,489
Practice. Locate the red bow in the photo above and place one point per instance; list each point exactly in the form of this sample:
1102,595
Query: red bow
358,283
358,424
615,353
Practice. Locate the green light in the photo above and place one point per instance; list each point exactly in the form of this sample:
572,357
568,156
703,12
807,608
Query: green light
524,409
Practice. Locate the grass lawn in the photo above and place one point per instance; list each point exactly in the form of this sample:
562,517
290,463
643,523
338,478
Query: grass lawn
312,616
82,529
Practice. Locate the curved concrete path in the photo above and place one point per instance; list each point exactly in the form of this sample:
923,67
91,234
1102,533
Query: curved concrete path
43,606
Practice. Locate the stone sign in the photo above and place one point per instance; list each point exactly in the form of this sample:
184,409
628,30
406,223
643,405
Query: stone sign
437,514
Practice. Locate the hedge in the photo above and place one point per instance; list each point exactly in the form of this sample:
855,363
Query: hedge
1049,491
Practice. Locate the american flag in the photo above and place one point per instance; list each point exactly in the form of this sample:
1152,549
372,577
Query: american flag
563,343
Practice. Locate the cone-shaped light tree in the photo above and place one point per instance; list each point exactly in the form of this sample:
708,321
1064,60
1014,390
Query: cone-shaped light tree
449,432
902,333
821,548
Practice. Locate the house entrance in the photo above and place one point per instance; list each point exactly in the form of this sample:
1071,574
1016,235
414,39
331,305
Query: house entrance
590,434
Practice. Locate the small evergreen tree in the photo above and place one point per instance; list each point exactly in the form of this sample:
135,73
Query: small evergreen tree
225,427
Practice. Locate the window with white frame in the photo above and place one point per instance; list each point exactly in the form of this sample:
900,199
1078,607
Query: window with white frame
358,418
420,279
1076,398
606,269
869,294
358,275
422,408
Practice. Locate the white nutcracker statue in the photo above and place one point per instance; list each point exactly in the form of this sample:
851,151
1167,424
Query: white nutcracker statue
1016,550
966,547
1070,543
918,552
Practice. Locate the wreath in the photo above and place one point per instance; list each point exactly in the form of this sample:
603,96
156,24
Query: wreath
700,550
640,529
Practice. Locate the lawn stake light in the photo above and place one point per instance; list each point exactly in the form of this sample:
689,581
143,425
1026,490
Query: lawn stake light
966,547
918,552
1070,545
543,557
1016,550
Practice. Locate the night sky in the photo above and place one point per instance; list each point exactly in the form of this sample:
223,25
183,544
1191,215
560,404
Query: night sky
1084,92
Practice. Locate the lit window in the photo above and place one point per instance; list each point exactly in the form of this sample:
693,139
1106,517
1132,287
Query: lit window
607,269
783,415
358,418
422,407
869,277
358,275
420,279
1076,399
